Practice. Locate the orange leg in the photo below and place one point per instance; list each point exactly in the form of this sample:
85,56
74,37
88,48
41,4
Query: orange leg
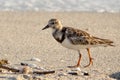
78,63
90,58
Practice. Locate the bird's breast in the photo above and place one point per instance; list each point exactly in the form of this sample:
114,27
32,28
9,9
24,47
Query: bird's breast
59,37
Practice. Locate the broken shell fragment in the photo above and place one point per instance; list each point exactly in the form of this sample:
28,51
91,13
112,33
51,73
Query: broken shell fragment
35,59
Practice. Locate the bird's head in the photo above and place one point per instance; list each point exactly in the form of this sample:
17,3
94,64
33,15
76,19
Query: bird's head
54,24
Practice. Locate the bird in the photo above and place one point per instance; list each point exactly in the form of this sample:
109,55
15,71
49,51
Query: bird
75,39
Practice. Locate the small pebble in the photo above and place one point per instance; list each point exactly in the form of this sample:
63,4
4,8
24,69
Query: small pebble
37,78
24,64
73,73
62,60
109,69
26,76
86,74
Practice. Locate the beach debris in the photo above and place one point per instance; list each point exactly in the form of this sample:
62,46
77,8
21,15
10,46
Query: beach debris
3,62
26,70
37,78
35,59
9,68
26,76
43,72
3,71
73,73
33,65
62,60
30,65
62,74
78,69
86,74
40,68
24,64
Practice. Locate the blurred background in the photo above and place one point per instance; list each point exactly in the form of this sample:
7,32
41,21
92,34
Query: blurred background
112,6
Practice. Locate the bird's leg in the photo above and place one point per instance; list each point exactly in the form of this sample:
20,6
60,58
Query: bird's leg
78,63
90,58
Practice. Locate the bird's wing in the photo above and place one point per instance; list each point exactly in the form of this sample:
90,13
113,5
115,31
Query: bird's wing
77,37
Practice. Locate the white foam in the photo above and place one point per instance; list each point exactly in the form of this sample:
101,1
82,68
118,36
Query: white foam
61,5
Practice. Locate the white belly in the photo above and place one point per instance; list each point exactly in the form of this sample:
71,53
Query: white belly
66,43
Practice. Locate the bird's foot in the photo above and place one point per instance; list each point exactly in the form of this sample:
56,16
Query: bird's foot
90,63
75,66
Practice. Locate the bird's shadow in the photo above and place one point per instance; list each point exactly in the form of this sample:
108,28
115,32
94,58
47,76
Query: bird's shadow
115,75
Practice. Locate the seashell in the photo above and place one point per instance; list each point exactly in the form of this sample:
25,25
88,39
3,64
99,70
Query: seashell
41,68
78,69
26,70
32,65
35,59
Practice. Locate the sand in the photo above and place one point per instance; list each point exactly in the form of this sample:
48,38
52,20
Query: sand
21,39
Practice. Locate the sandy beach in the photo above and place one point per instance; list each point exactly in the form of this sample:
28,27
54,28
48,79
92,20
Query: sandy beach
22,38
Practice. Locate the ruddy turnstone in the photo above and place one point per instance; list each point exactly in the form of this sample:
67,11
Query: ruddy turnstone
75,39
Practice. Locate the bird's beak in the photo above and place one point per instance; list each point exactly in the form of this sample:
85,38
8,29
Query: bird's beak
46,27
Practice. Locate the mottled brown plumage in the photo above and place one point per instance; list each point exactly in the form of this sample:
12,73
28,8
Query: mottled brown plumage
79,37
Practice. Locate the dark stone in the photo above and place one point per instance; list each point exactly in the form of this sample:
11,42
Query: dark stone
86,74
73,73
24,64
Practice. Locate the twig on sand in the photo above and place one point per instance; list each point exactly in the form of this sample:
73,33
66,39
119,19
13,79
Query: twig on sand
9,69
34,72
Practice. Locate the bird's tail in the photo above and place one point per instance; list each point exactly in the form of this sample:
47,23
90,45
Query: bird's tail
104,41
